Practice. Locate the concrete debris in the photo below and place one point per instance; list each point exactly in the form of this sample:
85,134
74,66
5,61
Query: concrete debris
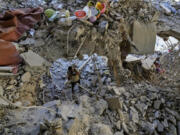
119,90
69,111
114,103
26,77
157,104
101,105
33,59
160,127
134,115
119,93
101,129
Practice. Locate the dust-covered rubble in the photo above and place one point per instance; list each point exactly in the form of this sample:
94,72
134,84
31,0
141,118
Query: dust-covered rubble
40,104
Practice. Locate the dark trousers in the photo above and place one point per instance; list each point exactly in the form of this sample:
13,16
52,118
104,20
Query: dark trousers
73,84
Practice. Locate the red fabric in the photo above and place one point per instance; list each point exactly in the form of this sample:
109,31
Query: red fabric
12,26
14,23
8,54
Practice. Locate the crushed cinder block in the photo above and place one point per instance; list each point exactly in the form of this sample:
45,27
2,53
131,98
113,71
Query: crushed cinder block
33,59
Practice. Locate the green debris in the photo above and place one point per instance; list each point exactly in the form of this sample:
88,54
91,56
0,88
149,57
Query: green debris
49,12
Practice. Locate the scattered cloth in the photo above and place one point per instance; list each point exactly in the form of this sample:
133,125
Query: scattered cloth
12,26
14,23
8,54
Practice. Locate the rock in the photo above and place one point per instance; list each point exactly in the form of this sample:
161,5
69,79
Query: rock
13,82
141,107
134,115
118,90
160,127
172,130
126,94
124,126
101,129
69,110
157,114
172,119
1,90
148,127
118,125
101,105
157,104
132,126
103,26
119,133
26,77
174,113
73,126
114,103
165,123
33,59
84,101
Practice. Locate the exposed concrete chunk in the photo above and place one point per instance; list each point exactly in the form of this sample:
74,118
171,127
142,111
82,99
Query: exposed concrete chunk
134,115
101,129
101,105
119,90
26,77
33,59
114,103
144,37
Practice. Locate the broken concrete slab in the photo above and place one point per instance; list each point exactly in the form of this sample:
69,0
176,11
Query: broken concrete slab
114,103
33,59
144,37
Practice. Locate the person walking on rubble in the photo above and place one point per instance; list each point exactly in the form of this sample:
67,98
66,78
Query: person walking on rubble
73,76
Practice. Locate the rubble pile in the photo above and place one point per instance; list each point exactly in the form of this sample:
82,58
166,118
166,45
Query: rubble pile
171,63
109,100
130,109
